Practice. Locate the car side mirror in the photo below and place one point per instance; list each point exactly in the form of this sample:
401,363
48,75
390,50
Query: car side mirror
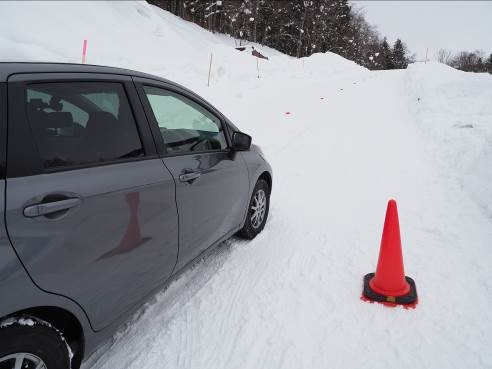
241,141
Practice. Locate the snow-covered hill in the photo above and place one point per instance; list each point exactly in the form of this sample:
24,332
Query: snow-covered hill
354,138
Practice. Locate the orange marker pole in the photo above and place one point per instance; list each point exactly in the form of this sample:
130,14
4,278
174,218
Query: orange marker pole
84,51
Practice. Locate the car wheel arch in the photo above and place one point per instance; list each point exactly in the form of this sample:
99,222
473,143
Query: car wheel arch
63,321
267,177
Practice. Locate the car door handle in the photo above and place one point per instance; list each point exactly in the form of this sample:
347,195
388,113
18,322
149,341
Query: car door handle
187,177
40,209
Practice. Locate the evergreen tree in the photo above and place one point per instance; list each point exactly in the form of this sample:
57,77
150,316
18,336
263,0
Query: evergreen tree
399,57
340,32
386,56
265,25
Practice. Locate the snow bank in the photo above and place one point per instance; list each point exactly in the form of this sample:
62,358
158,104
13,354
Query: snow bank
126,34
331,64
136,35
449,108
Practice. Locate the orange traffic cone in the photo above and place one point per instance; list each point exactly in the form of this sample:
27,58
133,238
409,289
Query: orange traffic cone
389,284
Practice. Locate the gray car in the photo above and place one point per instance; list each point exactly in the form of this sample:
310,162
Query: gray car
112,182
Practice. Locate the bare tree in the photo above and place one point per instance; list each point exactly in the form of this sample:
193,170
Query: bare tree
469,61
444,56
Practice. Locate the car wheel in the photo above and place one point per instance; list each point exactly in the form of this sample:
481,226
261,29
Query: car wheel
257,211
31,344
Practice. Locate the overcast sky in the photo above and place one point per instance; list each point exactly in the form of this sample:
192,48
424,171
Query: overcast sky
454,25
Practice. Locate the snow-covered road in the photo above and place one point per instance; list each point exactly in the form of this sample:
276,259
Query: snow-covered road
290,298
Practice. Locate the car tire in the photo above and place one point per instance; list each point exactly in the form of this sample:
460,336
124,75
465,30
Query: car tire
37,341
253,224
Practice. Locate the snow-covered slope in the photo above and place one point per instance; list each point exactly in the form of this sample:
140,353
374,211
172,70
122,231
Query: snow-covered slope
354,138
455,109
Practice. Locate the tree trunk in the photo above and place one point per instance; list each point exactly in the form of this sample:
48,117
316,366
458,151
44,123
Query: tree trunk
299,42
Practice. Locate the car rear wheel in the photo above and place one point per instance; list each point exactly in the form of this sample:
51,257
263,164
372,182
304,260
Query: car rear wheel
29,344
259,206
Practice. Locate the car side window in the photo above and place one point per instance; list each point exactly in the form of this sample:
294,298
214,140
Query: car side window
80,123
185,125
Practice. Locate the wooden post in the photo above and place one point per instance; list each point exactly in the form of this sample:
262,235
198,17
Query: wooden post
210,69
258,66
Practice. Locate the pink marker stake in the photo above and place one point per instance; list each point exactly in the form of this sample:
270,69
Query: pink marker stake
84,51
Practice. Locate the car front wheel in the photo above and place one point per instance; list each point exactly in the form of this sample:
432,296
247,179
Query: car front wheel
30,344
259,206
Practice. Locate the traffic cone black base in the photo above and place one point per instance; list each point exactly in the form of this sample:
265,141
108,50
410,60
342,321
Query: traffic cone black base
410,299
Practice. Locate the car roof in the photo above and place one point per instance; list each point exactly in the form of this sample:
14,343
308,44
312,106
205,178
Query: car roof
9,68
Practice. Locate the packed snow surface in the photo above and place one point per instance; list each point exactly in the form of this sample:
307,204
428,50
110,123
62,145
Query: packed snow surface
353,140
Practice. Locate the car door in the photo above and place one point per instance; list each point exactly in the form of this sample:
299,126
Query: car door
211,180
90,207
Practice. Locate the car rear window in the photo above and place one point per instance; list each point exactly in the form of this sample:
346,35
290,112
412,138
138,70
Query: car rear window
80,123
